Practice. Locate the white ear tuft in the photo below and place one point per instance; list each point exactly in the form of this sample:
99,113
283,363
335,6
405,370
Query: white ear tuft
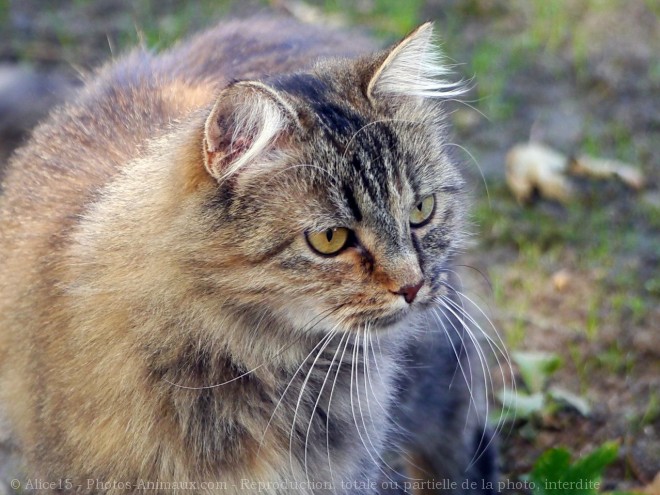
414,67
244,122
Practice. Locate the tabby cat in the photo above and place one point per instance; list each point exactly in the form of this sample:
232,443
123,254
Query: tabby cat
221,272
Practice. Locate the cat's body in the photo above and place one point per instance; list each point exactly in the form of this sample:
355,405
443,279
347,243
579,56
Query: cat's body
162,318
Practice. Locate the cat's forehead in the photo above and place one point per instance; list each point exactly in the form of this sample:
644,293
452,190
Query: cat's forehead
333,104
369,174
337,122
379,157
367,163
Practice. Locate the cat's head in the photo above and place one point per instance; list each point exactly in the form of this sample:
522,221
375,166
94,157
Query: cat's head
336,200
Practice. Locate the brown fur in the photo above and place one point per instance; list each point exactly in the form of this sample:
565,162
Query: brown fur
142,335
73,401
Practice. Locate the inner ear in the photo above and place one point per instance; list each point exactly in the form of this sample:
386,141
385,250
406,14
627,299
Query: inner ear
243,126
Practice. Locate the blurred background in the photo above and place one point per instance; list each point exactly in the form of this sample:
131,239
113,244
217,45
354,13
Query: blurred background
560,134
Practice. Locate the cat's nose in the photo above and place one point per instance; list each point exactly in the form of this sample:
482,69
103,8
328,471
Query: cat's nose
409,292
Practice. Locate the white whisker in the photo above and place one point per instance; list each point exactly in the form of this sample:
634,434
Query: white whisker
501,348
355,379
481,172
365,365
496,351
328,338
327,418
468,382
279,352
318,399
293,376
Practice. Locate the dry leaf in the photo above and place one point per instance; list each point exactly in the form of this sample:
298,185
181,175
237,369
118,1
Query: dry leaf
602,168
535,166
309,14
561,279
653,488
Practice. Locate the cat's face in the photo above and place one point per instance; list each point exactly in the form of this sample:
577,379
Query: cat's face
347,217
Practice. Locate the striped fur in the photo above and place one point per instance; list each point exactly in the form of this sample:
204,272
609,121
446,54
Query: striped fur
162,318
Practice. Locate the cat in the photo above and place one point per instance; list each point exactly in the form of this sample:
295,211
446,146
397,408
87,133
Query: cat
226,269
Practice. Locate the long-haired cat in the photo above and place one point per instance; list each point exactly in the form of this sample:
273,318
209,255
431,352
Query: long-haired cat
221,268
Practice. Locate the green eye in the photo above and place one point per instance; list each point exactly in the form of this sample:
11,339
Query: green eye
328,241
422,212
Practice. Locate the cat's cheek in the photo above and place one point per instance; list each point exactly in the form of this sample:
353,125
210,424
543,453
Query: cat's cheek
309,319
342,275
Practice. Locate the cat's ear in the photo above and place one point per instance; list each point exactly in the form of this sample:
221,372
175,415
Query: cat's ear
244,123
414,68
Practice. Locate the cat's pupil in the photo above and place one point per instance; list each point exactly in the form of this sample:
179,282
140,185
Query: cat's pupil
419,206
328,235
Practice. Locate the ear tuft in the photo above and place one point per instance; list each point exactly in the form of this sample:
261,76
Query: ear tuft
243,124
414,67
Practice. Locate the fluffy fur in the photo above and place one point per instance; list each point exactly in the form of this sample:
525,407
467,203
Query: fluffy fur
162,316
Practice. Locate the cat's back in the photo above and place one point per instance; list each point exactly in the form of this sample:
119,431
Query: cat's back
135,98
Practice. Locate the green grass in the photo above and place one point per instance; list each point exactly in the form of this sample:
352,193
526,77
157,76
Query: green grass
652,412
613,140
388,18
164,30
593,321
492,75
589,237
515,333
591,225
615,360
4,11
548,23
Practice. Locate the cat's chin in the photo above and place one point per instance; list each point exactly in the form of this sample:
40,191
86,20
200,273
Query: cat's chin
391,322
314,322
399,319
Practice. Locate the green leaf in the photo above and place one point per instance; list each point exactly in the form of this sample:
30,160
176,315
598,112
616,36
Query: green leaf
549,466
519,404
593,464
554,473
536,367
580,404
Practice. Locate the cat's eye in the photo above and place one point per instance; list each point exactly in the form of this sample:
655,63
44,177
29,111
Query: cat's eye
328,241
422,211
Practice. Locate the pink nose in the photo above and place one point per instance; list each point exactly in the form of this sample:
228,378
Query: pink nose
409,292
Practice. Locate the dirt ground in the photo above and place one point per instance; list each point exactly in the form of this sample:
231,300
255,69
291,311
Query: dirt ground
579,280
